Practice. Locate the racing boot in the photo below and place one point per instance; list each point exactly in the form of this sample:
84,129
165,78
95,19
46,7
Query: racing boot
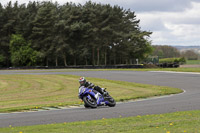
105,93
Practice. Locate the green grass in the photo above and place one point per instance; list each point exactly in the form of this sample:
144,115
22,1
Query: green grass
25,92
178,122
192,62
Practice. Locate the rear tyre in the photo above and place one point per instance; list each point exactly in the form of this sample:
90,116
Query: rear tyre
89,102
111,101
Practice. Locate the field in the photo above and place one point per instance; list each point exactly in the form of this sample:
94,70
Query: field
187,69
26,92
178,122
192,62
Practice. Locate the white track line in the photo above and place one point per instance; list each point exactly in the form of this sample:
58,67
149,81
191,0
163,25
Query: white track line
177,72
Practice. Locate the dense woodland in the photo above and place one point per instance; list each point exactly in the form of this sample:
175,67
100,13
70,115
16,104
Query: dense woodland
49,34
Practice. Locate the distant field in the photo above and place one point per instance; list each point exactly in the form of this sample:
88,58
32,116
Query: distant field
25,92
178,122
192,62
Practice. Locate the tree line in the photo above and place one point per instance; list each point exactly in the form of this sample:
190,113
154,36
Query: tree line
49,34
164,51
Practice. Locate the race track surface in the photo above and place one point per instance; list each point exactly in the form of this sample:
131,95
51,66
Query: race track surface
189,100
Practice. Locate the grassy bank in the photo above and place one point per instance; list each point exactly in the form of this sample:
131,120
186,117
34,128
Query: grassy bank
25,92
178,122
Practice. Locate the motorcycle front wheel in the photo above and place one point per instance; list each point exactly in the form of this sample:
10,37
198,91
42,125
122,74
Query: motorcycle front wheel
90,102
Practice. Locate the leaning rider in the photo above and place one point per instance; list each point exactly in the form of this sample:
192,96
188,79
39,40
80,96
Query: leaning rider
87,84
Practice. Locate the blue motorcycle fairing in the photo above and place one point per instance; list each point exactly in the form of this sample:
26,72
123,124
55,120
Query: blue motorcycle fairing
86,91
89,96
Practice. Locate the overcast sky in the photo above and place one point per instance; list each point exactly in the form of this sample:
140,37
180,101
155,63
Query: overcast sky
173,22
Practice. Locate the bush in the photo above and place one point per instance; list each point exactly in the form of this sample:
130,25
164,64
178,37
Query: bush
182,60
21,52
173,60
150,66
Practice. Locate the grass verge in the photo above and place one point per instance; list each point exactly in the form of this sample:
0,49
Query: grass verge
26,92
178,122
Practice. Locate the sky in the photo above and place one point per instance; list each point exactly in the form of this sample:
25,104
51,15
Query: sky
173,22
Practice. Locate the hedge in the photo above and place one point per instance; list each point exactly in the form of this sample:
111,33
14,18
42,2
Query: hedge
173,60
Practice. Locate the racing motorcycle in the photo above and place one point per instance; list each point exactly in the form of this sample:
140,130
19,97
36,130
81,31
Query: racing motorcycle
93,98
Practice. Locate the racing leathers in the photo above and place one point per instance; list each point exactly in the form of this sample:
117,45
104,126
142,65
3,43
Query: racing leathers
97,88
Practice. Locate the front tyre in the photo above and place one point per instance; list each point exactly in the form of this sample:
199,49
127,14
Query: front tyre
89,102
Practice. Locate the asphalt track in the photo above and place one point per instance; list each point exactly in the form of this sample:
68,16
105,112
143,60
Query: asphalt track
189,100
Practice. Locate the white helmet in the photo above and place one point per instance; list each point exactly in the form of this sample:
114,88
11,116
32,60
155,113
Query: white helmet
82,81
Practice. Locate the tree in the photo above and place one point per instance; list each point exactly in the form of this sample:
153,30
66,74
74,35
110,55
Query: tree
27,15
134,43
90,18
21,52
6,29
43,30
190,55
2,59
2,43
165,51
91,34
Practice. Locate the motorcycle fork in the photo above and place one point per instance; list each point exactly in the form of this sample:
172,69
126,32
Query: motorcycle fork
89,97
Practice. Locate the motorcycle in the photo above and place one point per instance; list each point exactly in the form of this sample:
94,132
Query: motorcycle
93,98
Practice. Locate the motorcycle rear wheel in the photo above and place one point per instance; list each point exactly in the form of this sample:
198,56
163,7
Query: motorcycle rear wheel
111,101
90,102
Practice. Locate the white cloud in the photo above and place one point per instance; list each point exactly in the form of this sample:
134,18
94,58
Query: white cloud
136,5
173,28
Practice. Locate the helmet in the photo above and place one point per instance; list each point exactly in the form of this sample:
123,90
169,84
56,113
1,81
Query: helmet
82,81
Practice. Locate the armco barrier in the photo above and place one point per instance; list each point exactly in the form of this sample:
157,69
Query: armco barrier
77,67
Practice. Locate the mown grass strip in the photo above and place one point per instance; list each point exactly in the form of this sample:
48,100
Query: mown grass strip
178,122
25,92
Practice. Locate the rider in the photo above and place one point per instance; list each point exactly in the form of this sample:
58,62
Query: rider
84,83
